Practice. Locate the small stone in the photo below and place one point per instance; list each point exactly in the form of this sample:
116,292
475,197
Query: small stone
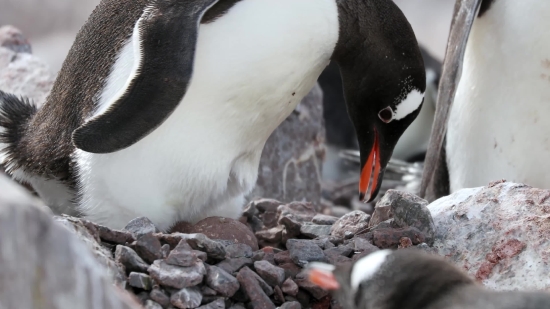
273,275
386,238
323,242
267,289
314,230
252,288
348,235
182,255
303,298
278,296
141,226
382,212
200,242
270,237
297,211
290,287
140,281
149,304
206,291
292,226
221,281
237,306
148,247
282,257
187,298
353,222
130,259
165,251
303,251
217,304
114,236
411,211
404,242
13,39
160,297
258,255
291,269
340,250
238,250
291,305
225,229
267,211
232,266
269,254
201,255
176,276
315,291
142,296
324,219
363,245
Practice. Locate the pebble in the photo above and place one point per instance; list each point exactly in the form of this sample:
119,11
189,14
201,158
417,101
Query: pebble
353,222
278,295
141,226
160,297
389,238
291,305
186,298
182,255
114,236
324,219
303,251
323,242
268,290
252,288
290,287
291,269
237,306
176,276
148,247
165,250
382,212
232,266
140,281
221,281
130,259
225,229
272,274
238,250
314,230
315,291
282,258
270,237
217,304
363,245
200,242
149,304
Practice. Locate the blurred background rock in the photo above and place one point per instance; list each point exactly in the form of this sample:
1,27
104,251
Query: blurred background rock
51,25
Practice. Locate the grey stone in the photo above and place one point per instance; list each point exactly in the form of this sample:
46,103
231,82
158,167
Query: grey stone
353,222
497,234
114,236
140,281
186,298
363,245
141,226
207,291
265,287
238,250
290,287
12,38
323,242
165,251
272,274
290,166
251,287
324,219
303,251
176,276
232,266
149,304
130,259
270,237
160,297
410,211
291,305
237,306
382,212
41,256
386,238
314,230
315,291
148,247
182,255
221,281
200,242
216,304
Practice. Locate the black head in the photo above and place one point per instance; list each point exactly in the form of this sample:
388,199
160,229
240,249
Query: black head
403,279
384,80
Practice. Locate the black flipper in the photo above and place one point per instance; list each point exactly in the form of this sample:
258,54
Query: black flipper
168,33
464,15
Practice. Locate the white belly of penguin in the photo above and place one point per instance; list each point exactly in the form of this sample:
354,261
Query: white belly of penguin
252,67
498,126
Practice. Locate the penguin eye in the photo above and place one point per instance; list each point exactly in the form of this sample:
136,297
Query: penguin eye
386,115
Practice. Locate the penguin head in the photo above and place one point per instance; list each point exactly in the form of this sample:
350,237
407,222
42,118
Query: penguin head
389,279
384,80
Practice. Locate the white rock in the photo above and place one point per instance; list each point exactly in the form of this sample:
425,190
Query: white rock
499,234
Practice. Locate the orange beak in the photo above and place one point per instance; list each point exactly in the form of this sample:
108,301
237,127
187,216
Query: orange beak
323,279
372,165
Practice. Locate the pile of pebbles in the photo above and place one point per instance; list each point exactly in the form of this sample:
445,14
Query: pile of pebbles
257,261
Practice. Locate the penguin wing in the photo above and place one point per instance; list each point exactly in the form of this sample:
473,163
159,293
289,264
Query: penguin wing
465,12
167,35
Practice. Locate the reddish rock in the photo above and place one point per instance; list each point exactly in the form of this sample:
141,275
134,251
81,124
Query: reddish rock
405,242
390,237
250,285
354,222
225,229
290,287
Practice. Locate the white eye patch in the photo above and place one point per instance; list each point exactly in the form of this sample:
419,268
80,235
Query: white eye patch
408,105
366,267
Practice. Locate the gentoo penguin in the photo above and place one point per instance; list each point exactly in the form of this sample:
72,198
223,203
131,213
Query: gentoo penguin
162,107
411,279
494,93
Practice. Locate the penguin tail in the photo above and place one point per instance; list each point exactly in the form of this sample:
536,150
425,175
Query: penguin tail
15,114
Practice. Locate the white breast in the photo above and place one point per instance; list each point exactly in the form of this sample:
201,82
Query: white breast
253,66
498,127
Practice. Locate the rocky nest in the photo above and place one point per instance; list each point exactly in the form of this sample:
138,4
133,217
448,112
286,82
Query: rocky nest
257,261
